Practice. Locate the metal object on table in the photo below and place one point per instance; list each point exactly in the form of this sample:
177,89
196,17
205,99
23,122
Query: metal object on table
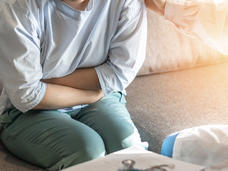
128,165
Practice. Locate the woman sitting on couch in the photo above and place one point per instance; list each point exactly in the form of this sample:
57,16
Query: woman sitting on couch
64,67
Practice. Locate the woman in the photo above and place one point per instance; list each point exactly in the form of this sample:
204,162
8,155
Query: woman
64,67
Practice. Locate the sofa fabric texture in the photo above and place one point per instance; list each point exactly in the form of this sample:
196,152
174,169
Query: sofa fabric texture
166,103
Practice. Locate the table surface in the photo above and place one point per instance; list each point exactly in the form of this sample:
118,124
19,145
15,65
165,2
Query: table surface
144,159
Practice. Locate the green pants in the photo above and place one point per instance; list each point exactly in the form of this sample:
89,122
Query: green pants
55,140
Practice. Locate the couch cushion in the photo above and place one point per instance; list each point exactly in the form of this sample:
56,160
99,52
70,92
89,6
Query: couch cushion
161,104
168,49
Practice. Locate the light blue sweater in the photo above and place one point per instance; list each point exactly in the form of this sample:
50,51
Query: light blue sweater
42,39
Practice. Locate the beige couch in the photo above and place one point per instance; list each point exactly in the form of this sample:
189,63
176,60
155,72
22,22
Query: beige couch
183,83
164,103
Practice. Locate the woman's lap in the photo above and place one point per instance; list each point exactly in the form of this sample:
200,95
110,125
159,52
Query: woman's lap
110,118
44,138
54,140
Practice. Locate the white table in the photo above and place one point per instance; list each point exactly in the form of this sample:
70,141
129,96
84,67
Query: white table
144,159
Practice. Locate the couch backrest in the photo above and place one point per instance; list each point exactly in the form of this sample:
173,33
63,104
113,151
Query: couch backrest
168,49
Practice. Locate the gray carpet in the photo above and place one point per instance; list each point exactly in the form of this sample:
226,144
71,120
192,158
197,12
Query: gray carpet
165,103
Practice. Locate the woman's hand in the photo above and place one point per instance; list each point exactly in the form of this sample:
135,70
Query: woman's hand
183,13
58,97
85,79
156,5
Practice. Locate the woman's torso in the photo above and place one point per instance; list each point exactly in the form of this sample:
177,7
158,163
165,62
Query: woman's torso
69,39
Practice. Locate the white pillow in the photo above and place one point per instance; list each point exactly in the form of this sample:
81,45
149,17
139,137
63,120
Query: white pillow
169,50
204,145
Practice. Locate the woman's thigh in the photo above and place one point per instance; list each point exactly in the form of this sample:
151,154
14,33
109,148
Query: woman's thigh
51,139
110,118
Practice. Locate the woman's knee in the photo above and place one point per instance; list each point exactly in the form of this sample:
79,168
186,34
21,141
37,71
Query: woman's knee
56,142
114,124
133,139
81,155
124,138
94,149
86,149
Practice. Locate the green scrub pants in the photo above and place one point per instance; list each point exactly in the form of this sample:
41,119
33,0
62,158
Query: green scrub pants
55,140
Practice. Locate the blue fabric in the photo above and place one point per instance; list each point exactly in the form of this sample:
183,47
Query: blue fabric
167,146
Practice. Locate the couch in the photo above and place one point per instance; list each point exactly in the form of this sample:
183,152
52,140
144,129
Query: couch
193,93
